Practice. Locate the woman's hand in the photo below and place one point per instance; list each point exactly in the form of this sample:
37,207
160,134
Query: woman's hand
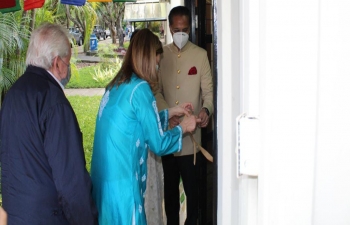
174,121
189,123
180,110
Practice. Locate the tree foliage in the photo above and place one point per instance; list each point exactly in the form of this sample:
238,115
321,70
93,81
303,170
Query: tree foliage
15,29
84,18
112,14
14,37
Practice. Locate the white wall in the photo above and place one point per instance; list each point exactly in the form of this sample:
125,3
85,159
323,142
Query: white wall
304,75
332,177
305,112
289,92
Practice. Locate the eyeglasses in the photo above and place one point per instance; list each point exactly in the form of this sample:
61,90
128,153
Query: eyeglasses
185,30
68,65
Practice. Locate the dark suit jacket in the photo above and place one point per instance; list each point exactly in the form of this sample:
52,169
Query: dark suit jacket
44,179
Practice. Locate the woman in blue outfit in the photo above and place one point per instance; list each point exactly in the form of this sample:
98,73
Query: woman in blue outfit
127,125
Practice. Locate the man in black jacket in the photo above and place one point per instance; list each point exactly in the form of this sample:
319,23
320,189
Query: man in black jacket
44,179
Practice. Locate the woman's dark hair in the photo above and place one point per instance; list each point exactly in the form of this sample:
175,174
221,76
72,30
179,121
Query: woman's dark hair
179,11
140,58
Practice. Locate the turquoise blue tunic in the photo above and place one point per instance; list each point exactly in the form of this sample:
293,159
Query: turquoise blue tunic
127,125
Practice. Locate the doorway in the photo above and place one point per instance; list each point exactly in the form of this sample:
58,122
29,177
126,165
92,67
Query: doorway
202,27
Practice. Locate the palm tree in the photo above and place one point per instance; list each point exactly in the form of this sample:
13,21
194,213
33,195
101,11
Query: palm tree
14,37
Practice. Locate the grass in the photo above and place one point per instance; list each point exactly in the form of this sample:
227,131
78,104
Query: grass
100,74
85,79
95,76
85,108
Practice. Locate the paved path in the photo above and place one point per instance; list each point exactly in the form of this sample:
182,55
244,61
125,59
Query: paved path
85,92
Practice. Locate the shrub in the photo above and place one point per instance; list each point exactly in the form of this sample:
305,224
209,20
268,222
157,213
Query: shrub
105,72
106,51
84,79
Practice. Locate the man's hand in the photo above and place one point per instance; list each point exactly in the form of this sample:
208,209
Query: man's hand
189,123
204,118
3,216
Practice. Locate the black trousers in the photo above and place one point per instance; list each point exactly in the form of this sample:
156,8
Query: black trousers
174,167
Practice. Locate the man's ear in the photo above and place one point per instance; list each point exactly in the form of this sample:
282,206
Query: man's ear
55,62
54,67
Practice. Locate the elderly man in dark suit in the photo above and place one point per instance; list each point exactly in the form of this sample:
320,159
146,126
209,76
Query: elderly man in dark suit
44,179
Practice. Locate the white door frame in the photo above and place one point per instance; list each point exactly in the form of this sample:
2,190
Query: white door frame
228,106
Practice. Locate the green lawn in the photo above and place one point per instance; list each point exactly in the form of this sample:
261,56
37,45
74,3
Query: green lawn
86,107
85,79
95,76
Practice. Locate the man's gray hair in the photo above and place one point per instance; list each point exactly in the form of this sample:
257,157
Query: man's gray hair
47,42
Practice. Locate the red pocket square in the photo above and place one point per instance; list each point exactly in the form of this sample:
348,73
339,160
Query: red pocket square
192,71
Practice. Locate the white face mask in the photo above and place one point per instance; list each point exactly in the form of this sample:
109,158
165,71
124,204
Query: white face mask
180,39
157,67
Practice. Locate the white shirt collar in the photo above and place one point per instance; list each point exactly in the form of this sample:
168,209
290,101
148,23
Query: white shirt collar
56,79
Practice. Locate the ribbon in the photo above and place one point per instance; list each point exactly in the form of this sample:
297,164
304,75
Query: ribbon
198,146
